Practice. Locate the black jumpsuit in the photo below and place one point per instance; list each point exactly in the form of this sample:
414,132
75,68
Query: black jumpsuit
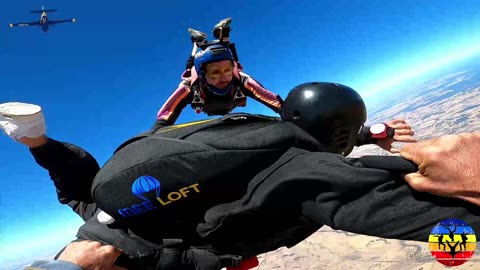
262,183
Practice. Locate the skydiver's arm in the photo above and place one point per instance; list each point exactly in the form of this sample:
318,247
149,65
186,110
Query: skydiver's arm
169,112
332,190
364,137
256,91
398,131
379,203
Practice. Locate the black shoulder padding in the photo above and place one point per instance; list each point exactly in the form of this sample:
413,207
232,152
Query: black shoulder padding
161,185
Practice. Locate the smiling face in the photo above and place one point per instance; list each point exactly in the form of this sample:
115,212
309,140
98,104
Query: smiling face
219,74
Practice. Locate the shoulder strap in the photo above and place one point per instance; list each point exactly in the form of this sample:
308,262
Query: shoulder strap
198,98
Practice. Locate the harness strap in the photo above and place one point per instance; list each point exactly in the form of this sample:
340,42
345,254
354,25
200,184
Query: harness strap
181,256
239,97
198,101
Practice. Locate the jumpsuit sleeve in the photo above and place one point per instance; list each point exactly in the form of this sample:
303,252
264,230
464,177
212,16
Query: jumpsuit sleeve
169,112
256,91
328,189
364,137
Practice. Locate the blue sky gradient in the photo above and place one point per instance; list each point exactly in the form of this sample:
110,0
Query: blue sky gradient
103,79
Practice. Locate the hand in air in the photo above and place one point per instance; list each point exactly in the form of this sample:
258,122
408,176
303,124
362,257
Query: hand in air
403,133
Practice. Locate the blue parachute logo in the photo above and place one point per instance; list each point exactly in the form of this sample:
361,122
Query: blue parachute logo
144,184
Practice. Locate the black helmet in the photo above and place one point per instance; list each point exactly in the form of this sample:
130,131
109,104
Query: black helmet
330,112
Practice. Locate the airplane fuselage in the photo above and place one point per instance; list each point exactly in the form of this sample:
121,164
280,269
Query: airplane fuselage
44,22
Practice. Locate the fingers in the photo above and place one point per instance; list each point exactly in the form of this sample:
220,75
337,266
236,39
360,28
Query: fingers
419,182
430,151
111,253
404,131
93,244
410,152
423,183
112,250
401,126
109,257
404,138
396,122
394,150
474,200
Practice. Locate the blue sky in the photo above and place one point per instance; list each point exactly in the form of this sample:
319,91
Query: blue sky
102,79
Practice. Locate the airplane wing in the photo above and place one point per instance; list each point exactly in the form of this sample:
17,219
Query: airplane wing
24,24
62,21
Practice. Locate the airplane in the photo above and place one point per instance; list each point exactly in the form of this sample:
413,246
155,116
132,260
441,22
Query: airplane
44,23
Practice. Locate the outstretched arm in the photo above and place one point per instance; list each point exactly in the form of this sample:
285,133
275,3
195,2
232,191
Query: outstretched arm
328,189
256,91
169,112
